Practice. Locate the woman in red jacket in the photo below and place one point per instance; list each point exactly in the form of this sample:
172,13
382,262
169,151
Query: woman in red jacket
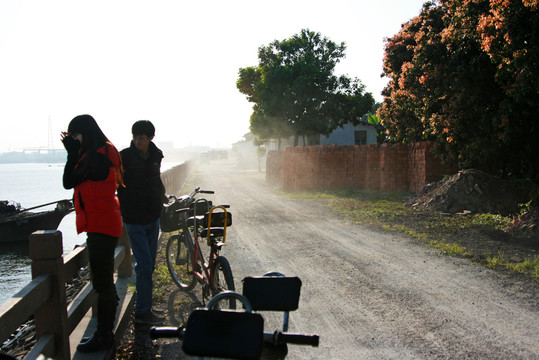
93,170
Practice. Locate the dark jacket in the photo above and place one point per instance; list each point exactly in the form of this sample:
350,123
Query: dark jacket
141,200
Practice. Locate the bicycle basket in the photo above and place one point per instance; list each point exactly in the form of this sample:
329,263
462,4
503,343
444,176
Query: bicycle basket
171,220
217,219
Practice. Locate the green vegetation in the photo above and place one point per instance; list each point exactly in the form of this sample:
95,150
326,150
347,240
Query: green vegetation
453,235
295,91
450,249
161,276
526,266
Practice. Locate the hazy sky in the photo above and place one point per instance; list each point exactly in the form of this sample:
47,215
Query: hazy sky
170,61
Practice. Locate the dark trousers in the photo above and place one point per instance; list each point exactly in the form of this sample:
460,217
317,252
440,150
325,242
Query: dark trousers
101,258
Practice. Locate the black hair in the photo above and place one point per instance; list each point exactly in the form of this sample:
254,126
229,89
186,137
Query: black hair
143,127
92,136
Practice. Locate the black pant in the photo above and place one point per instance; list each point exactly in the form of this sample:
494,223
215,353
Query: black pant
101,258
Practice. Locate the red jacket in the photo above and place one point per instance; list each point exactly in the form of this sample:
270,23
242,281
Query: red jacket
96,204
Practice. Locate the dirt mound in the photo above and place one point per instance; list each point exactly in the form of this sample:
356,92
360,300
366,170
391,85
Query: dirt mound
471,191
526,225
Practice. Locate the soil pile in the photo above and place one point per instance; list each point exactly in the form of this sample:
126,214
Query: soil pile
471,191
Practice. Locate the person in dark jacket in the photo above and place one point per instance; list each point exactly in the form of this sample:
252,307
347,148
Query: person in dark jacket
141,201
93,170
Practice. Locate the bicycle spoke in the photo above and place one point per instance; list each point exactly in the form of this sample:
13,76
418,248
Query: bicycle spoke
180,262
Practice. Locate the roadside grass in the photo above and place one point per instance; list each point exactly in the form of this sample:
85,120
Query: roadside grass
161,276
526,266
388,211
162,280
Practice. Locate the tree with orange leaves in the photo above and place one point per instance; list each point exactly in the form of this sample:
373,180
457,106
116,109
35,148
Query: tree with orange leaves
464,74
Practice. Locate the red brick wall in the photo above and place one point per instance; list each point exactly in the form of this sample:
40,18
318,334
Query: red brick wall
388,167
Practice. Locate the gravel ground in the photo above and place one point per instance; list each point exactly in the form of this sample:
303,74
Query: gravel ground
369,294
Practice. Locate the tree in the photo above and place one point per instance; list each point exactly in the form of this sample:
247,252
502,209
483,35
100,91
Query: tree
464,75
295,92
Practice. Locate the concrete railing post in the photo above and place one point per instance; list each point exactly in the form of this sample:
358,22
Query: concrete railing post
46,252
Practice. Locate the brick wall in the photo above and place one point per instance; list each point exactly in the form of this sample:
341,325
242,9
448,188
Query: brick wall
388,167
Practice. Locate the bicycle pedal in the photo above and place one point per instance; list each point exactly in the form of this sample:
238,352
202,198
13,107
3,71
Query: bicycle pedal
181,261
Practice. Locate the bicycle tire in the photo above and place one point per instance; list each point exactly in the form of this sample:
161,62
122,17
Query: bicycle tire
180,262
223,279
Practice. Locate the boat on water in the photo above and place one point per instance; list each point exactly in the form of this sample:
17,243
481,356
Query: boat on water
16,223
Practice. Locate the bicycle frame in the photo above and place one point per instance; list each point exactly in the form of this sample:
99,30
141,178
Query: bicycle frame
187,264
206,274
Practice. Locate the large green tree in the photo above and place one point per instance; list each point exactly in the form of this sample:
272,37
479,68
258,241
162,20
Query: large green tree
464,74
295,91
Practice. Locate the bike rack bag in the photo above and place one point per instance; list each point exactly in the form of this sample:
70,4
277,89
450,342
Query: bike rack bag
272,293
217,219
171,219
202,206
224,334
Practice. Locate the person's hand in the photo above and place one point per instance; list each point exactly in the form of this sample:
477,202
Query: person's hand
72,146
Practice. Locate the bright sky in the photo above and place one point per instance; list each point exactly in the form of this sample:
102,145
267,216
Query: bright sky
169,61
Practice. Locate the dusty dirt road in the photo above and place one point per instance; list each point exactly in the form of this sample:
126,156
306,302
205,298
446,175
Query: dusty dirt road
370,295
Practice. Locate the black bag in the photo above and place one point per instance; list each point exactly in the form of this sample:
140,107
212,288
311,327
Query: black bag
171,220
227,334
217,219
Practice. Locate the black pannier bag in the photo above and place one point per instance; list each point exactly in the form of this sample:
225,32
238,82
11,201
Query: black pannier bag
171,219
224,334
217,219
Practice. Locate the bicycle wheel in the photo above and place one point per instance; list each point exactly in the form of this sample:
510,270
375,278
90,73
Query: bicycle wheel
223,280
180,262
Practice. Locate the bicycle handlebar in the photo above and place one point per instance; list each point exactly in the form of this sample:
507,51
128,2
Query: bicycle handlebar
190,197
167,332
278,338
274,338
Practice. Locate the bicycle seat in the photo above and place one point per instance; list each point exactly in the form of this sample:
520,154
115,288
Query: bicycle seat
224,334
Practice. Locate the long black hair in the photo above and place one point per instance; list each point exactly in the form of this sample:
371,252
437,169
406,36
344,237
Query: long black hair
92,136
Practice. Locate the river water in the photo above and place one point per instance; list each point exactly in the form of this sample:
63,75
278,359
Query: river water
32,184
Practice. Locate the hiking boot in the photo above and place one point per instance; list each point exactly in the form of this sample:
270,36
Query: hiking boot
98,342
149,318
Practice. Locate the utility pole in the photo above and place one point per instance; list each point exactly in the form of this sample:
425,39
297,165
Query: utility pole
49,145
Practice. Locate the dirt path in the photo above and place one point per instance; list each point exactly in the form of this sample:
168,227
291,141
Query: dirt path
370,295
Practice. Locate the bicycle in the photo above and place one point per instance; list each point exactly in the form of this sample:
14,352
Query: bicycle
195,219
241,335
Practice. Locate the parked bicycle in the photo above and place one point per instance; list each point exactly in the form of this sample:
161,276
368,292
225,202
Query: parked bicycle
197,220
241,335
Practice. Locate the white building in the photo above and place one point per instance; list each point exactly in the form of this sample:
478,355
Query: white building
361,134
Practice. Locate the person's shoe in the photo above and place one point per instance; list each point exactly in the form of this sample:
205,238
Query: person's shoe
149,318
98,342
